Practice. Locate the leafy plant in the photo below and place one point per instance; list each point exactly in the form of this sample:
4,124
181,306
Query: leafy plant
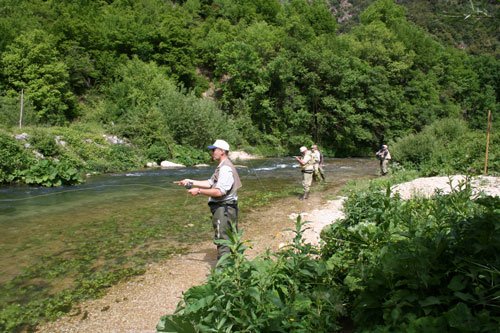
190,156
44,142
51,173
416,265
290,293
14,159
444,147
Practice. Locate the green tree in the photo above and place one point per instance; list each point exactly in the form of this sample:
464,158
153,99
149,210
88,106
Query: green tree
33,64
147,107
131,106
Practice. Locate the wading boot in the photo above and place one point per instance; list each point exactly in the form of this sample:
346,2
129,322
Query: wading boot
306,196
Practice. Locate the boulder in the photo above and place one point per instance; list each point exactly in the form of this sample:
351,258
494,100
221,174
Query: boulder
168,165
241,155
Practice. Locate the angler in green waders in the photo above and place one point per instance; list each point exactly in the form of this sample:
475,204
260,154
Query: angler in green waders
221,189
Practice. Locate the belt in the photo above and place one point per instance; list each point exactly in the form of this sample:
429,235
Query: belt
231,203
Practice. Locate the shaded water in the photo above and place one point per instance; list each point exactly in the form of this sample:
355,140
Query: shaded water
126,220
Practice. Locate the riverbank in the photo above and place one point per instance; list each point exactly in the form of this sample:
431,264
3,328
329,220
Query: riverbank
137,305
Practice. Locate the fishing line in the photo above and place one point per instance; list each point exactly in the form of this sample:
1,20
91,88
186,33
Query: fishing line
258,178
261,183
83,189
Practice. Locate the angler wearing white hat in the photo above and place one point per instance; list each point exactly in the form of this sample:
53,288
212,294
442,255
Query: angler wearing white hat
384,156
306,162
221,189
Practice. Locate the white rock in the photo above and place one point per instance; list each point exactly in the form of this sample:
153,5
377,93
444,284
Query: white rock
22,136
241,155
60,141
167,164
426,187
113,139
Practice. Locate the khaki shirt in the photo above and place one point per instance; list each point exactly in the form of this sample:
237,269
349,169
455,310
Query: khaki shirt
317,157
308,160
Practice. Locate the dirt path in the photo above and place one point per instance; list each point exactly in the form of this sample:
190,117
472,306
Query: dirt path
137,304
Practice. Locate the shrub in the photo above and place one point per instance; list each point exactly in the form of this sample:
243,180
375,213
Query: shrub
51,173
157,153
190,156
445,147
420,265
122,158
81,149
292,293
44,142
14,159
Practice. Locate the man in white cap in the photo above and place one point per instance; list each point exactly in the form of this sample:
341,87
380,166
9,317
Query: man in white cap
221,189
306,162
384,156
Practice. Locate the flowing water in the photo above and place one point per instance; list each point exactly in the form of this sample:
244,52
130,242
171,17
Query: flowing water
55,238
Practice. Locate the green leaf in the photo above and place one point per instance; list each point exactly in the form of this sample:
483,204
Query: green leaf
174,324
457,283
461,318
254,293
463,296
431,300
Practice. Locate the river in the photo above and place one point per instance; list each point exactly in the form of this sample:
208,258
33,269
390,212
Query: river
59,239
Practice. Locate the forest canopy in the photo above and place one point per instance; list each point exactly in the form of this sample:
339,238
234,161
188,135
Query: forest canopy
264,73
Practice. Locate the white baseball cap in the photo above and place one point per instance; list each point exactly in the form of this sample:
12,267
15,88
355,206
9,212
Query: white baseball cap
303,149
220,144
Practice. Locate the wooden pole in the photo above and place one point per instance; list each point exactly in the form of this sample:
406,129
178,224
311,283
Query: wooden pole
488,129
22,109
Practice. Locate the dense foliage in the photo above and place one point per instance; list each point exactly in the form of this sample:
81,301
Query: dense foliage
463,24
268,75
445,147
61,156
422,265
289,293
419,265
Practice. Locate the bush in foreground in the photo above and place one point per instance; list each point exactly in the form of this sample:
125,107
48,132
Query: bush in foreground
422,265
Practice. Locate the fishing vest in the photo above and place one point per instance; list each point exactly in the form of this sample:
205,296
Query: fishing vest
231,194
310,164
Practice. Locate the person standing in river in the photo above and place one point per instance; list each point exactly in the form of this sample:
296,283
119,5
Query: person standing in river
319,174
384,156
306,161
221,189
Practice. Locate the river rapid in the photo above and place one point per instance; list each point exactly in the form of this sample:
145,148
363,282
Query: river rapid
56,239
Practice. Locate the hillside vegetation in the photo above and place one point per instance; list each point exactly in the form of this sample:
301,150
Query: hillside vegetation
168,77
